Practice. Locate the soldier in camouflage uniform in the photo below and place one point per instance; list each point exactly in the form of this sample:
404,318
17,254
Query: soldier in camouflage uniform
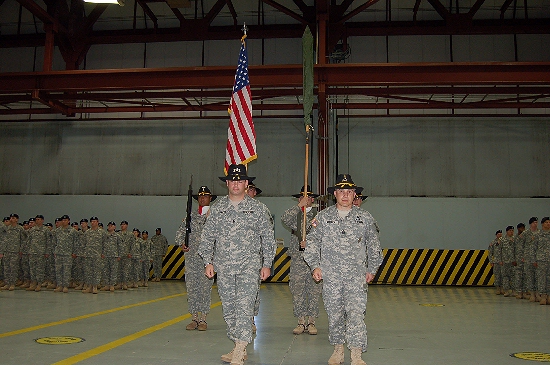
79,262
13,240
135,255
125,268
24,268
305,291
65,241
49,268
158,250
111,258
529,238
543,261
344,251
235,233
95,239
39,235
495,253
146,258
6,222
507,262
519,278
199,287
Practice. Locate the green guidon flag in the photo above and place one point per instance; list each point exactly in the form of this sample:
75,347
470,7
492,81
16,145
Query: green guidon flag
307,55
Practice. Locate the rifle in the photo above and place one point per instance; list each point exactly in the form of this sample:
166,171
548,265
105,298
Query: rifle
188,216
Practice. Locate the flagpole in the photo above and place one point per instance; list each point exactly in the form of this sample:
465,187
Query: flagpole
307,56
306,170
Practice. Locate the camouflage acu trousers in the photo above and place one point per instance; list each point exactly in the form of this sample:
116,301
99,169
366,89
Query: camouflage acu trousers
78,269
24,267
519,278
93,267
157,266
199,287
125,274
543,276
238,292
507,272
305,291
345,303
11,267
530,276
37,264
145,268
63,266
497,274
110,270
49,269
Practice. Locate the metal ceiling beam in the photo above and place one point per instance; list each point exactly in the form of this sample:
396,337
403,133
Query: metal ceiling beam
42,14
272,76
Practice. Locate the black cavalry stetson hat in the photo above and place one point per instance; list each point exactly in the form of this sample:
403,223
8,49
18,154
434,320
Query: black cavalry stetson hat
236,173
343,181
308,192
252,186
359,193
203,190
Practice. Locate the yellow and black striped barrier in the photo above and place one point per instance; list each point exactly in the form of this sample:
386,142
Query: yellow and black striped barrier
400,267
435,267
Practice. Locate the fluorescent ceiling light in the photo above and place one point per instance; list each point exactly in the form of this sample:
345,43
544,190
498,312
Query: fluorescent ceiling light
119,2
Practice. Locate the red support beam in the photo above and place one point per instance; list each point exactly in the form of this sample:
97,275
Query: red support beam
287,11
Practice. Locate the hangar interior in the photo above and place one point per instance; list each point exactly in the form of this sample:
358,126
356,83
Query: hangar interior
438,108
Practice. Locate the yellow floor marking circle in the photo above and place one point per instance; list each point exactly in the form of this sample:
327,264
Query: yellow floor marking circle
533,356
432,305
59,340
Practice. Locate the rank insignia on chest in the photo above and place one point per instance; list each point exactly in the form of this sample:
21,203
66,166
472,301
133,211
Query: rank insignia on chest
358,220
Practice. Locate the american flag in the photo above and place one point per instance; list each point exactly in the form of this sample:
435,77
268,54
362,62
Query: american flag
241,137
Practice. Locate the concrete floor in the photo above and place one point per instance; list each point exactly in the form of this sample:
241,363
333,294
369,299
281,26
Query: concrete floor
406,325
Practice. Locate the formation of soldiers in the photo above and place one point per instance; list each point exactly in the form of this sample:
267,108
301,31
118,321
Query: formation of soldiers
35,255
521,262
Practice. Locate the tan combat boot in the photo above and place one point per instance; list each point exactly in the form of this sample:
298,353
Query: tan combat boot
507,293
38,288
337,356
58,289
519,295
311,329
26,284
229,356
112,288
31,287
65,290
11,288
79,287
118,286
356,356
301,327
543,299
526,295
202,323
238,353
51,286
105,288
94,289
88,289
194,323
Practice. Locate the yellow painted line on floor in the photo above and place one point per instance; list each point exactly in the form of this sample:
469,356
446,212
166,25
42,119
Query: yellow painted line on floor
85,316
111,345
